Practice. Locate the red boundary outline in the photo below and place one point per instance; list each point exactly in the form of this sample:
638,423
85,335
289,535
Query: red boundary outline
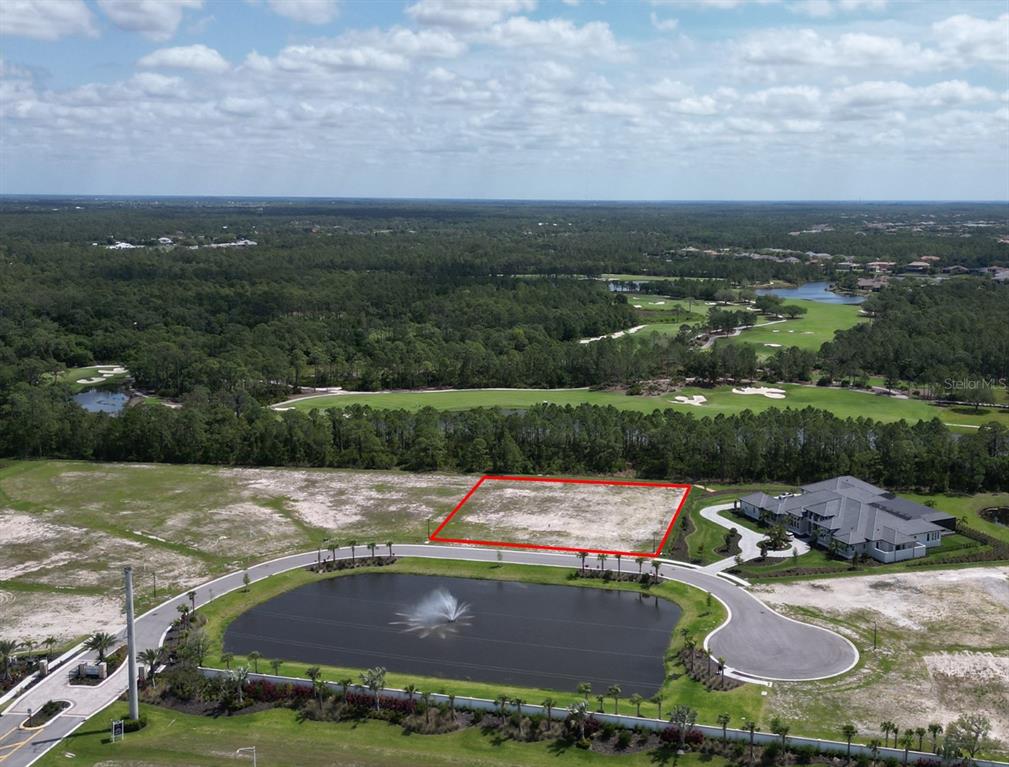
577,550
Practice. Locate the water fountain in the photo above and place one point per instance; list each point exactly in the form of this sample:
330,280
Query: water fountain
437,614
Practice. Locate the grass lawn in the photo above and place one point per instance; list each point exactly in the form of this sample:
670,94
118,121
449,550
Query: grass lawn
698,618
843,403
70,377
807,332
172,738
707,537
966,507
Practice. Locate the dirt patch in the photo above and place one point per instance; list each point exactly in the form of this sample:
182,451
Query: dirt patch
917,674
37,615
614,517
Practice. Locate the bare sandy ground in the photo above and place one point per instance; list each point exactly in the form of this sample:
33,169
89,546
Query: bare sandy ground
943,651
37,615
589,516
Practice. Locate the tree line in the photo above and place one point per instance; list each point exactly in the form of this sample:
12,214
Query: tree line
791,446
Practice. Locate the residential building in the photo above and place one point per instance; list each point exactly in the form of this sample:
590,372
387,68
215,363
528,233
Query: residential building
851,518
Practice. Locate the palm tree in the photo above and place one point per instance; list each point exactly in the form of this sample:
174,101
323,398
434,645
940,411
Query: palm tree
599,702
49,643
425,698
184,613
388,545
451,703
374,680
684,717
100,642
849,731
150,657
636,701
7,650
410,690
238,676
192,600
886,727
254,656
614,692
502,702
517,702
578,712
690,644
582,555
618,557
780,729
353,552
721,667
226,658
315,673
371,548
344,684
602,561
907,741
874,745
751,726
656,565
585,690
919,733
333,548
275,664
641,563
723,722
935,730
657,700
548,705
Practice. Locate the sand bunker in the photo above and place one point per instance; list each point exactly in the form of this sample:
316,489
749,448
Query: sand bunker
767,391
95,380
697,399
774,346
618,334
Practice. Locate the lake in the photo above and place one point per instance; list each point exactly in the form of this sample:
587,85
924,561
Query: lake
102,400
812,291
520,634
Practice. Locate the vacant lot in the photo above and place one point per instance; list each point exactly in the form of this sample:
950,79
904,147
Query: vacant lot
575,515
67,529
943,648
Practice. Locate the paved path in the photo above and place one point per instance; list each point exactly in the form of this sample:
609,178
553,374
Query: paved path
755,641
749,540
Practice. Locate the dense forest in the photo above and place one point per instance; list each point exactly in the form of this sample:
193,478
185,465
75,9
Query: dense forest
789,446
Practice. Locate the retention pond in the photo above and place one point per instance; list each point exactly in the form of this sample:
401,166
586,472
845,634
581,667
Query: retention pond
507,633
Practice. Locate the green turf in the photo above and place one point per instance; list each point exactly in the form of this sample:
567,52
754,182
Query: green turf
172,739
698,618
807,332
843,403
70,377
707,537
966,508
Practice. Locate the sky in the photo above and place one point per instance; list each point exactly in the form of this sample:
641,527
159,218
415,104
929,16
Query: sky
518,99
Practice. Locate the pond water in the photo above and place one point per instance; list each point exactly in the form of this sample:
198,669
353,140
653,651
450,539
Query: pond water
102,400
519,634
812,291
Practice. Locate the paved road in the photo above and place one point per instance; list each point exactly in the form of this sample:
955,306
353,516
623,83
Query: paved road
755,641
749,540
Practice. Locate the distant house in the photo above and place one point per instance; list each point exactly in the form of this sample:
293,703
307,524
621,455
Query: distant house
917,266
930,259
164,240
846,266
872,283
955,269
880,266
852,517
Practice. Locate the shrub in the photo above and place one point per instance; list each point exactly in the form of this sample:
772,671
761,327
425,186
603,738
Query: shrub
607,731
694,738
623,739
770,754
133,725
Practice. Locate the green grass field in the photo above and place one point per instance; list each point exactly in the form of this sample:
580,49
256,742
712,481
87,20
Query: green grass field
843,403
698,619
807,332
72,376
173,739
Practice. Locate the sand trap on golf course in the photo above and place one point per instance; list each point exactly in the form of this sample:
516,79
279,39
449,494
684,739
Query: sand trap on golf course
767,391
774,346
697,399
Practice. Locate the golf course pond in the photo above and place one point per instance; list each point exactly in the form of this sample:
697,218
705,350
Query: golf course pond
503,632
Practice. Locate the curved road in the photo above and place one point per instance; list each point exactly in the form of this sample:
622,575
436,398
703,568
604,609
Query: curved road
754,641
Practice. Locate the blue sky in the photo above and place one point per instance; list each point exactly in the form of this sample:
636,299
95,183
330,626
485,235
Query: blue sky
575,99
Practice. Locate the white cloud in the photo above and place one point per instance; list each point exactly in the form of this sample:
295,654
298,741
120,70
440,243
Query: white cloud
817,9
243,107
301,58
307,11
156,19
46,19
559,36
663,25
198,57
159,86
971,40
466,14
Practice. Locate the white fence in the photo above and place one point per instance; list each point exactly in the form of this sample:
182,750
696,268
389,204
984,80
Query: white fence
623,720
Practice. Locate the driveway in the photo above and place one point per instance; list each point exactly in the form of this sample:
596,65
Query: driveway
755,641
749,540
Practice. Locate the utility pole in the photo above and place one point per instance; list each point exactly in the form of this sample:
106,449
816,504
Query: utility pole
131,647
874,636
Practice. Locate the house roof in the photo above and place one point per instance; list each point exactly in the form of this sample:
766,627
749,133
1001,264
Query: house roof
855,511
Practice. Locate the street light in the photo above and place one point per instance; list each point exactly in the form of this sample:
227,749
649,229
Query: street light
248,748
